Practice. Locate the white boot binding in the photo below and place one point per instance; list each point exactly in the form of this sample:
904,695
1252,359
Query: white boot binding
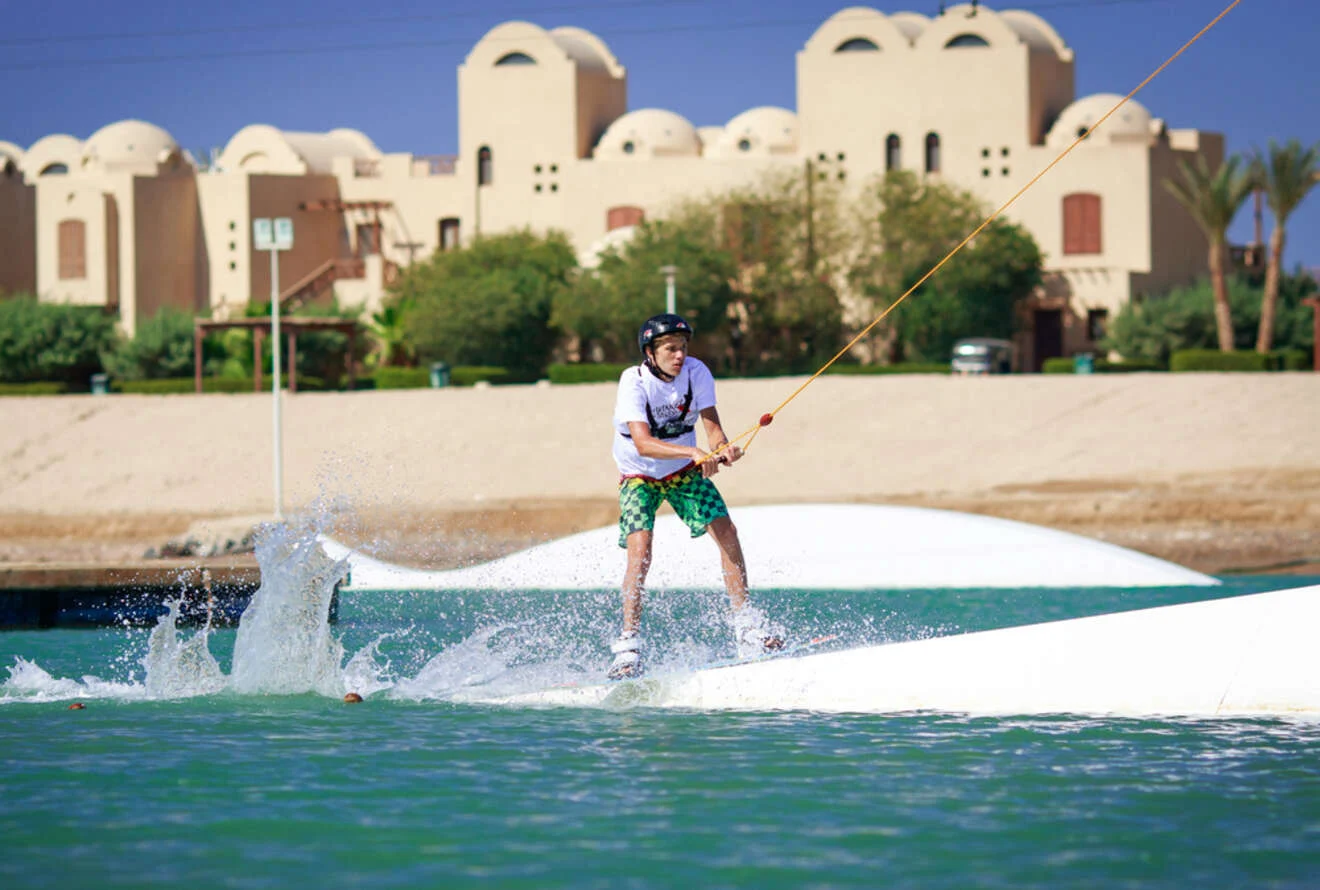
753,634
627,661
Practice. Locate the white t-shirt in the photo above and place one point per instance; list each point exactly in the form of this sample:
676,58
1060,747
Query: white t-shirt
639,388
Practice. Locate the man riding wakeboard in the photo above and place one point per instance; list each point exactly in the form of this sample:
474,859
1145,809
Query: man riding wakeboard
655,447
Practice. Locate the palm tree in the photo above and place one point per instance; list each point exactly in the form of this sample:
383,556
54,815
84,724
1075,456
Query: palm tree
1285,176
389,331
1214,199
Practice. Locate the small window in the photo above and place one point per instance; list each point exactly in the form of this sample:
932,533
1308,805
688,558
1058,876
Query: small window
1081,224
537,188
233,245
843,174
1003,152
1097,321
985,152
449,232
73,249
619,217
554,168
554,186
965,41
536,169
985,171
485,165
840,157
822,157
1003,171
744,145
932,152
233,266
54,170
515,58
1082,132
232,225
857,45
629,147
368,239
893,153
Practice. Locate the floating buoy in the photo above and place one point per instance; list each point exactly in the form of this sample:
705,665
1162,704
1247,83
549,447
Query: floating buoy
351,699
77,706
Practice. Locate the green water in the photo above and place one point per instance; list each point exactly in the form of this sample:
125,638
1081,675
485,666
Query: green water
410,789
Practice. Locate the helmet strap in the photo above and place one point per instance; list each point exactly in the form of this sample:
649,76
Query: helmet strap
655,369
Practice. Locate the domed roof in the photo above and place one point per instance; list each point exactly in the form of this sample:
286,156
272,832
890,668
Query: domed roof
1132,122
55,151
760,132
129,143
11,156
649,133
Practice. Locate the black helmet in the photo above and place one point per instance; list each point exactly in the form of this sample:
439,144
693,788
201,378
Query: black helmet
658,326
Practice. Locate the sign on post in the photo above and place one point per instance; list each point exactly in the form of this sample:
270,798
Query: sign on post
275,235
272,234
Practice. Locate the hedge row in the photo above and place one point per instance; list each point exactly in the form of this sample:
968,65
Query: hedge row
420,378
1194,360
587,373
898,368
41,388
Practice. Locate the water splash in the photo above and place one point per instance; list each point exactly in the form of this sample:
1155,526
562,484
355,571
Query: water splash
180,669
284,643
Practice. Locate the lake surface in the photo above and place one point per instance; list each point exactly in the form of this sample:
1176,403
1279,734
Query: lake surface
227,759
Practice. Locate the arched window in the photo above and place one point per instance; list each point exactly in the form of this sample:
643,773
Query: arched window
857,45
618,217
893,153
932,152
485,165
1081,223
55,169
964,41
515,58
73,249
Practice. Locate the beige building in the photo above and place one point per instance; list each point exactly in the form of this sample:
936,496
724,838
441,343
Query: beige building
981,99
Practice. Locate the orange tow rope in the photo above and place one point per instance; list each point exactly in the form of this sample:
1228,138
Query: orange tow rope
767,418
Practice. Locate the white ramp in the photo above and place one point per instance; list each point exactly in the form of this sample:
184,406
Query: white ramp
809,547
1246,655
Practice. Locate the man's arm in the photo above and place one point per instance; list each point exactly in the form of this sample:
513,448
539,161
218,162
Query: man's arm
648,445
715,437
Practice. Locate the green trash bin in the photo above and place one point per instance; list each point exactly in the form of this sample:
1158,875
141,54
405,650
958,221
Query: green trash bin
100,384
1083,363
439,375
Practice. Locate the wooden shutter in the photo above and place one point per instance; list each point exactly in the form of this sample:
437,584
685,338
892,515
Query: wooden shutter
1081,223
618,217
73,248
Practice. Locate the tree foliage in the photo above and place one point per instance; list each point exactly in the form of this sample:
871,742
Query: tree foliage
162,347
51,341
1213,198
1286,175
906,227
488,303
1155,327
605,306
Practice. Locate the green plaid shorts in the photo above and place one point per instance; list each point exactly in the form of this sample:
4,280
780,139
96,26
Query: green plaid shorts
694,498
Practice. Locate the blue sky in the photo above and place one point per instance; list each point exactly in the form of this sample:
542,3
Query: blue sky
204,71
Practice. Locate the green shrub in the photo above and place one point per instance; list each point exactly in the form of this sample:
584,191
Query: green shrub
1213,360
179,385
52,341
587,373
1058,365
402,378
420,378
161,348
1290,360
1126,366
896,368
467,375
36,388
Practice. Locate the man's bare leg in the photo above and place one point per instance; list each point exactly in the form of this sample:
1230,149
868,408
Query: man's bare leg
749,623
634,579
725,534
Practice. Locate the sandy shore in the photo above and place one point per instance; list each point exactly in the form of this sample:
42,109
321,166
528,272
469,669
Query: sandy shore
1215,471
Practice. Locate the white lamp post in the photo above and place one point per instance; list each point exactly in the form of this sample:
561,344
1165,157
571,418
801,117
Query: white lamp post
669,272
